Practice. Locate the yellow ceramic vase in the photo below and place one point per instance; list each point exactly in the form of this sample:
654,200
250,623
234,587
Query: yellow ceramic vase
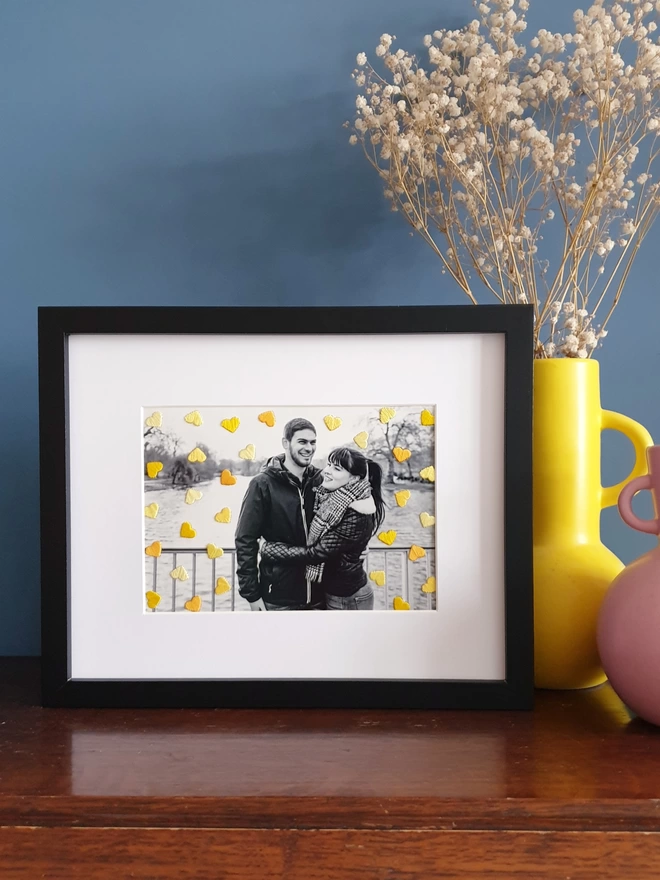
572,567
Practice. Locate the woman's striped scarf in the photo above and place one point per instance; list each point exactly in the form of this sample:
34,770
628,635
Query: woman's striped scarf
330,508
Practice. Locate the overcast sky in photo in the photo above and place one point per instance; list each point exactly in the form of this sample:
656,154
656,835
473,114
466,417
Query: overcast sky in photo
268,441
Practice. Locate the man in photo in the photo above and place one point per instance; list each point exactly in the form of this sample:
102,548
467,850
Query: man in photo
278,507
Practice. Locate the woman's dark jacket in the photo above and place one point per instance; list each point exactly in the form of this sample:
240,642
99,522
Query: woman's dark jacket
341,550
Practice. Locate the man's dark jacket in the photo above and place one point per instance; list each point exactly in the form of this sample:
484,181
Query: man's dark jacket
278,507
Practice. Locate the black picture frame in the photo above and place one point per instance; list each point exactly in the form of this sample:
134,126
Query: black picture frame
57,325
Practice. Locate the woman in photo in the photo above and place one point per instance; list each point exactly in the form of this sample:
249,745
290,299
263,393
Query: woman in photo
348,510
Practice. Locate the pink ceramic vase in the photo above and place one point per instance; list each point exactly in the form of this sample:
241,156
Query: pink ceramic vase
629,619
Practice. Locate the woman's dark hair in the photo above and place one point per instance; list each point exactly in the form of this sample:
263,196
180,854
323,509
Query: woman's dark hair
359,465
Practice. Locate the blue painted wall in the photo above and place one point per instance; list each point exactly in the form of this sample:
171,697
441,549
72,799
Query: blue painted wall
158,152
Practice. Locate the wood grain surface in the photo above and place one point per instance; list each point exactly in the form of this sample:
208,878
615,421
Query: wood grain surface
151,854
570,790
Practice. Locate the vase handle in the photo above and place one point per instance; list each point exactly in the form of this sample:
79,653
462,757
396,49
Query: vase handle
640,439
651,526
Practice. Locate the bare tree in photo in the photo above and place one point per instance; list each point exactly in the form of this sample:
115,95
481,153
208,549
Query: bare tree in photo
406,433
167,448
157,438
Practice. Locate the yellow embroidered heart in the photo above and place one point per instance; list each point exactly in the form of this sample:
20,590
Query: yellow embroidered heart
187,530
401,454
248,453
416,552
230,424
223,516
426,519
427,418
268,418
214,552
153,599
194,418
193,495
194,604
402,497
151,510
155,420
429,585
179,574
387,537
154,468
227,478
222,586
400,604
361,439
197,455
378,577
332,422
428,473
387,414
154,549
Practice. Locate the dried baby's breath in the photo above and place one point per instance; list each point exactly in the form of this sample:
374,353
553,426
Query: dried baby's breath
490,141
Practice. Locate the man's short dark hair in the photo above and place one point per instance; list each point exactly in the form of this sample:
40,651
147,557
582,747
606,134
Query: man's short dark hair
296,425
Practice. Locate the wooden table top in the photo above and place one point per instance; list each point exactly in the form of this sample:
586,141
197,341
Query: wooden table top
577,761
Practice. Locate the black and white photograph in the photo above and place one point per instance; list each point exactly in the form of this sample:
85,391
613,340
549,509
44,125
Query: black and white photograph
289,508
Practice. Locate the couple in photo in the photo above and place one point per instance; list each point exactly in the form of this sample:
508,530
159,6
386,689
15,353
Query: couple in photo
309,528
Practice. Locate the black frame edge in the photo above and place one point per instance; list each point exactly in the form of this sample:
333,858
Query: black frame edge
53,480
516,692
518,538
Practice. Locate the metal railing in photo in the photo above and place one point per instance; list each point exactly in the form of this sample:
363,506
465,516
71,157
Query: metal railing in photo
177,552
390,555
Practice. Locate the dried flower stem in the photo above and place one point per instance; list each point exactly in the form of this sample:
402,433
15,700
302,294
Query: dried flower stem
478,150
